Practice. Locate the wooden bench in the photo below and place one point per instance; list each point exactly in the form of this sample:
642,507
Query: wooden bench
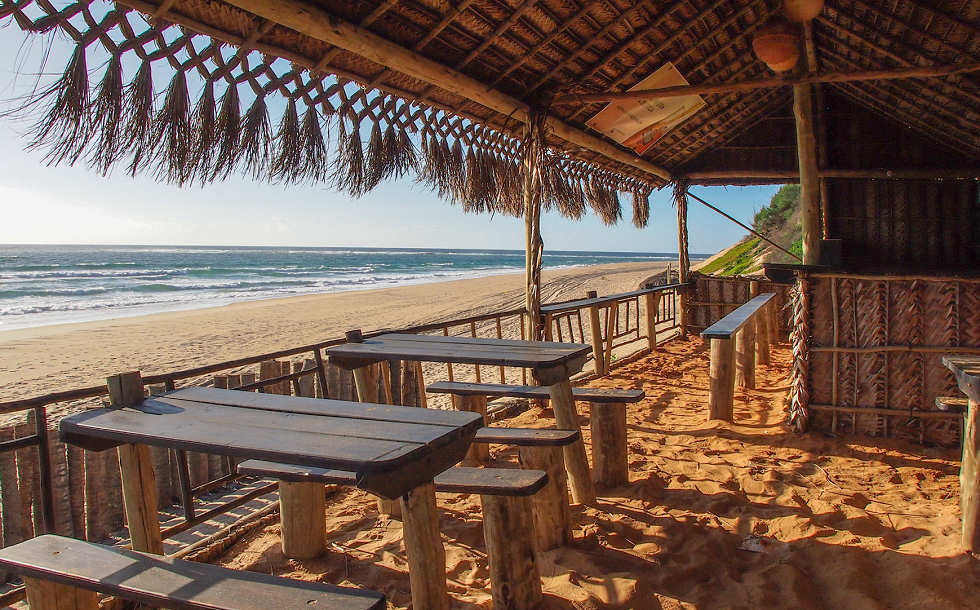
733,354
952,404
507,517
610,462
67,574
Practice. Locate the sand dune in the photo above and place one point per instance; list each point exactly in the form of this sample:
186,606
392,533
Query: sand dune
716,515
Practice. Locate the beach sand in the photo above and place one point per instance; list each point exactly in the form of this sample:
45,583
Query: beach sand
45,359
716,515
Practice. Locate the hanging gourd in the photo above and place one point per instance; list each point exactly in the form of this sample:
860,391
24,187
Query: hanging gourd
802,10
778,44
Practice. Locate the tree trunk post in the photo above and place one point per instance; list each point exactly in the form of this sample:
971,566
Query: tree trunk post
48,595
304,522
595,329
514,579
534,246
683,257
722,383
576,462
552,513
806,145
970,481
423,545
478,453
745,357
652,301
761,328
610,463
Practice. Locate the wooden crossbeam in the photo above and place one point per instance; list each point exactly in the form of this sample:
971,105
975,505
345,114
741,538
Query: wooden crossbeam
769,83
874,174
317,23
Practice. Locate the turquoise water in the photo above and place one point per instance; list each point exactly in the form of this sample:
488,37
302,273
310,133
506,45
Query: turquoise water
42,285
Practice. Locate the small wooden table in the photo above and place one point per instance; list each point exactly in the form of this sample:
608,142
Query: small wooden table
551,363
395,452
966,369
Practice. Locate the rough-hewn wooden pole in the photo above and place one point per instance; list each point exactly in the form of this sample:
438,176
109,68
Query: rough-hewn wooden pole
612,322
761,327
609,454
478,453
552,514
652,302
304,523
745,357
722,384
595,329
423,545
806,145
683,257
514,579
576,462
136,471
47,595
970,480
534,245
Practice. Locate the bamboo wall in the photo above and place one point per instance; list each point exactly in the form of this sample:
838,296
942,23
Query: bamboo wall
711,298
869,353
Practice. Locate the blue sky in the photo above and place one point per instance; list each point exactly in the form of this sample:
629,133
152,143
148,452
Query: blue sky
41,204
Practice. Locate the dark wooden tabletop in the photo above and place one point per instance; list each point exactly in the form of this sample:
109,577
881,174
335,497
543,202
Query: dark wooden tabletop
967,372
726,327
461,350
392,449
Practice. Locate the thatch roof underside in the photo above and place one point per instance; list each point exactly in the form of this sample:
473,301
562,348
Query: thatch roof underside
194,90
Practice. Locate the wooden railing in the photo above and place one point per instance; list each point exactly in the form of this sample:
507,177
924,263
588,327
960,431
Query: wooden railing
299,370
736,340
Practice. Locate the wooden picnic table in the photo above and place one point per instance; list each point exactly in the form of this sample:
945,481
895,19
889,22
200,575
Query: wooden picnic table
966,369
394,451
551,364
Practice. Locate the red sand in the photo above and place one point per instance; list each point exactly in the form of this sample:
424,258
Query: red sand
715,515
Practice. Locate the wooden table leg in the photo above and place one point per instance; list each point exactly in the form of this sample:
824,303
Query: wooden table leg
423,544
576,462
140,498
47,595
970,481
304,522
366,383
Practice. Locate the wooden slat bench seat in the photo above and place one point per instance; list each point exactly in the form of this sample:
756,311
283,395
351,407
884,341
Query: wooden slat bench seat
65,574
497,390
608,419
507,517
461,479
952,404
527,437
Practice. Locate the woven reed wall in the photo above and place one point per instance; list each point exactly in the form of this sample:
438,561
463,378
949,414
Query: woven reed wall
711,298
911,223
901,329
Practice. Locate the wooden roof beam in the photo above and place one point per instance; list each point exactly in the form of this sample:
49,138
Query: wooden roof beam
873,174
319,24
769,83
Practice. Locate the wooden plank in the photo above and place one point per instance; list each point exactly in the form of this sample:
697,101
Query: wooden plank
527,437
459,479
726,327
966,369
531,391
319,406
593,301
164,582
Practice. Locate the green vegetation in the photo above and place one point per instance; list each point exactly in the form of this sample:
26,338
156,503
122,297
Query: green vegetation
780,208
797,247
739,259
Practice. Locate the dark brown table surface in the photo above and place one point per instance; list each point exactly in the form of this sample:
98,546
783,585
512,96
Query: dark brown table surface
459,350
392,449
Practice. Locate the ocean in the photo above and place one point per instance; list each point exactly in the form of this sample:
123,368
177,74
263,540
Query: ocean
41,285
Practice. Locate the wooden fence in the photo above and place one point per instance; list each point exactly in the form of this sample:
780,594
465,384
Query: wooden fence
709,299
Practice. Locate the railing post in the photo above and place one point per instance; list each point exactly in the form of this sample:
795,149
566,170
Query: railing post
652,300
722,389
761,328
597,352
745,356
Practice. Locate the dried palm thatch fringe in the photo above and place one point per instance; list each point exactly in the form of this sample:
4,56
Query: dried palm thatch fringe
176,140
641,208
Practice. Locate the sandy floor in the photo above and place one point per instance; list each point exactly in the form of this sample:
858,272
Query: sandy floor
40,360
715,515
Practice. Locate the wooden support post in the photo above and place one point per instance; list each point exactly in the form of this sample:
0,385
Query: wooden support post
610,466
683,257
534,246
595,330
772,319
806,145
478,453
970,480
612,322
552,514
423,545
304,523
136,471
745,357
514,579
652,301
722,384
49,595
761,328
549,333
576,462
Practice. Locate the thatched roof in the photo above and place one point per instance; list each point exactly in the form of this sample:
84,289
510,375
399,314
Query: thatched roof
464,141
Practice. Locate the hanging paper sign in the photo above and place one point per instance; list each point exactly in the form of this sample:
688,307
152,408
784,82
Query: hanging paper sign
637,124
